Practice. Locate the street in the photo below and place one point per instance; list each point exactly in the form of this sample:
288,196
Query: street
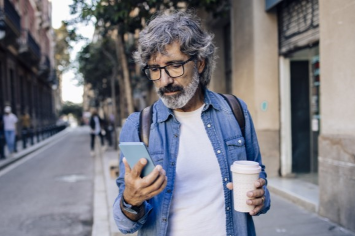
49,192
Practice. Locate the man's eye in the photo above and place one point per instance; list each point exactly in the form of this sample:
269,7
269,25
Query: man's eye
153,69
175,65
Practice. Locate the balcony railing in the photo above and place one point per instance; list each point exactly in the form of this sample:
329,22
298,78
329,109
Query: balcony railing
27,43
33,45
44,68
12,15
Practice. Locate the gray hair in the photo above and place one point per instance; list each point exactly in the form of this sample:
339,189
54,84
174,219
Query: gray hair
183,27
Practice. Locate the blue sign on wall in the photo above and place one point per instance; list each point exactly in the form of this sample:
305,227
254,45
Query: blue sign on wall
269,4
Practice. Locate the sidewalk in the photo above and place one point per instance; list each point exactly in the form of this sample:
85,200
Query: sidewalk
105,193
286,216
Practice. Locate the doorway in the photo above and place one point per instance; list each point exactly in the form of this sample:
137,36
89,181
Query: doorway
305,113
300,117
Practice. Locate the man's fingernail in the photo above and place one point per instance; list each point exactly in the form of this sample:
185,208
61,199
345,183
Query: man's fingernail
250,194
159,168
124,159
258,184
143,161
249,202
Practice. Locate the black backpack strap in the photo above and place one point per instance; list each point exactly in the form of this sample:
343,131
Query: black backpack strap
145,121
237,109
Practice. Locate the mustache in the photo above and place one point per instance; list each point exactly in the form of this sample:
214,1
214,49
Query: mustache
170,88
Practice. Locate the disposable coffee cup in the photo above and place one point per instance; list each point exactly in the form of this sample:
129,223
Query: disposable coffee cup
244,173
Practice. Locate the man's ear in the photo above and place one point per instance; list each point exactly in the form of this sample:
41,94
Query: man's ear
201,65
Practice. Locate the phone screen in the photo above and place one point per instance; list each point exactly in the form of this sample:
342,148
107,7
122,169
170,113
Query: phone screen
133,152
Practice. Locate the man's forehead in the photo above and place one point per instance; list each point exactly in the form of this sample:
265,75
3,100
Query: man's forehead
170,50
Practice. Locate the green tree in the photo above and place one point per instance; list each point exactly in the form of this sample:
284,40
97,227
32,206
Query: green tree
72,108
63,38
96,68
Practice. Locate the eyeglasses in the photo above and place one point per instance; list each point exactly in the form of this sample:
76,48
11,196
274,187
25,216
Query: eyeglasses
174,70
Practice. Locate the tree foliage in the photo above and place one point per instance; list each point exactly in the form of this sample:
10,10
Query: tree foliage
63,37
130,15
72,108
96,67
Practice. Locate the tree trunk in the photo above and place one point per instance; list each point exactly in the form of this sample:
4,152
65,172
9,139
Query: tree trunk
114,110
121,56
122,103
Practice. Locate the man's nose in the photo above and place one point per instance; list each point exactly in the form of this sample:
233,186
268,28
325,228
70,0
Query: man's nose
165,79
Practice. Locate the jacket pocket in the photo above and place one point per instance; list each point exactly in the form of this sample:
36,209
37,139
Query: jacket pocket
236,149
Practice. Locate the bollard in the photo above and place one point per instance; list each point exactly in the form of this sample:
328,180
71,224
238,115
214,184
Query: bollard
2,145
24,138
37,135
31,136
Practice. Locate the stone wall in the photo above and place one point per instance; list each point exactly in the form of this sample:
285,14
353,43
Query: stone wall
337,179
255,73
337,139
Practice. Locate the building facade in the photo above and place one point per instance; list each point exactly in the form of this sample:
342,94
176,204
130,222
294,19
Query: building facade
292,62
27,74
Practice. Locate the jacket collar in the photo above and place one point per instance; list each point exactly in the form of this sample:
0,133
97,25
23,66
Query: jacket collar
210,101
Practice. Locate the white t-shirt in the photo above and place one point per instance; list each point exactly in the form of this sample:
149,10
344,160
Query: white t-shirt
198,204
10,121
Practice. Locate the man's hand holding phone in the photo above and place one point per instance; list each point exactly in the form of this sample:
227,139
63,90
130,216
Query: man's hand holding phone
137,189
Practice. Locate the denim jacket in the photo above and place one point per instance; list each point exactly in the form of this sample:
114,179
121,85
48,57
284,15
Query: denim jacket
229,145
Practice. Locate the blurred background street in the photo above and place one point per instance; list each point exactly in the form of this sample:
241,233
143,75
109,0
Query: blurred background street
66,65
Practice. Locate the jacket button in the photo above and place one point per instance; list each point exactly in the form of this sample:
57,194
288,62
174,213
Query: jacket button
219,151
209,126
239,141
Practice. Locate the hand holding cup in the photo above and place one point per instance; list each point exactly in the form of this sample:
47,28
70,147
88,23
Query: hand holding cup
248,192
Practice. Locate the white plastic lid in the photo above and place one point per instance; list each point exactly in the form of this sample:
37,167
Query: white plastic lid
246,167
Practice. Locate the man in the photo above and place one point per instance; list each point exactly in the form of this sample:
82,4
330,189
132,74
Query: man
194,138
96,130
10,121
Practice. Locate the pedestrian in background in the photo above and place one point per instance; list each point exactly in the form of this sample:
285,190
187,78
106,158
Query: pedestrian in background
10,121
25,125
2,137
194,138
96,129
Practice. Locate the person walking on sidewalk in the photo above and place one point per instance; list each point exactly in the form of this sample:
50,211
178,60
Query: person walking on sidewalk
25,126
2,137
96,129
194,138
10,121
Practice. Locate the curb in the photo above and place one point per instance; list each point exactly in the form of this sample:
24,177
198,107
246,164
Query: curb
100,226
301,193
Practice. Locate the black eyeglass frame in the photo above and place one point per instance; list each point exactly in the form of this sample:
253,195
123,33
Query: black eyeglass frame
164,67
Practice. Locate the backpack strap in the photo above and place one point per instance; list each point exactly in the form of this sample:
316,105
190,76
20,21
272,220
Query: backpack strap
145,121
236,107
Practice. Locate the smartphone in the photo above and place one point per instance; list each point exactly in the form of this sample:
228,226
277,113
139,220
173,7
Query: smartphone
133,151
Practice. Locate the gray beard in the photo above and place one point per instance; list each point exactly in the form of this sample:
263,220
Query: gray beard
181,99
